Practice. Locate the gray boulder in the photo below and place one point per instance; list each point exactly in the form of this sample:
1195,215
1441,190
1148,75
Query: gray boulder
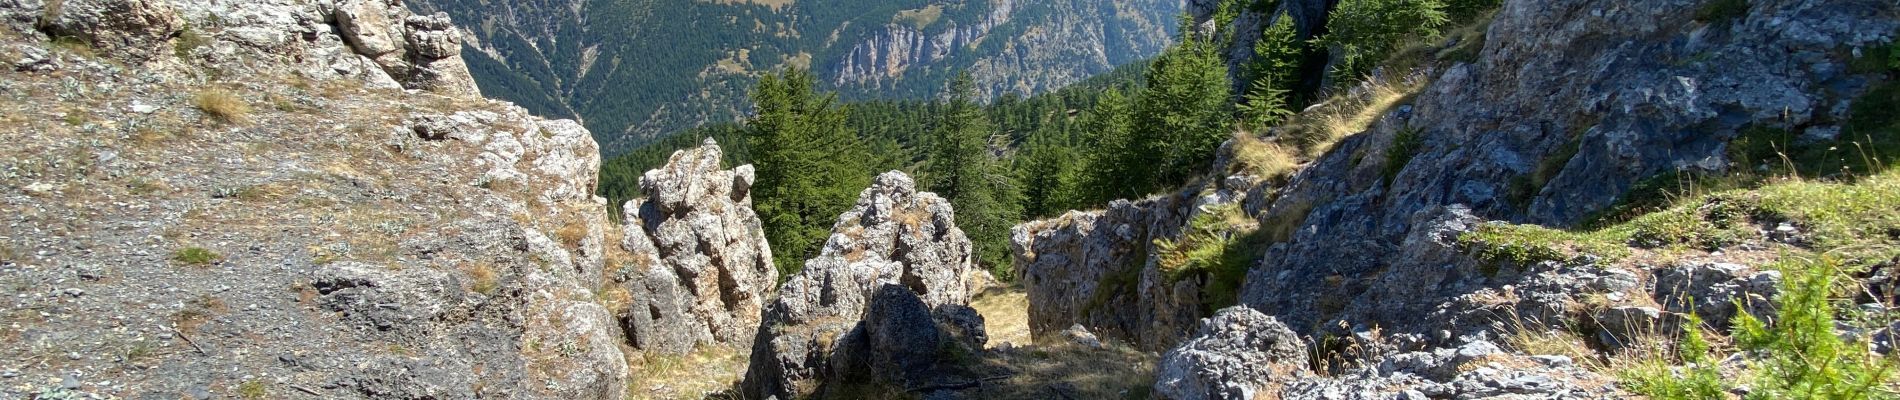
1237,354
1712,291
893,259
701,267
418,51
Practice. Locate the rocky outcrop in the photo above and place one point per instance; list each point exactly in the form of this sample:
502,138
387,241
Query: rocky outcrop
1097,268
885,302
1094,269
133,30
352,239
1717,292
1237,354
418,51
1242,354
701,268
1588,75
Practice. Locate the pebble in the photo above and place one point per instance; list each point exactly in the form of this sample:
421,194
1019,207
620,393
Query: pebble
69,382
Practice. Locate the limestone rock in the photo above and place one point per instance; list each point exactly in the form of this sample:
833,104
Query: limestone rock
1094,269
893,256
702,269
1237,354
134,30
419,51
1711,291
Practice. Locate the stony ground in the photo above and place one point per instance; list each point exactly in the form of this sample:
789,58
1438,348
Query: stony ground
152,248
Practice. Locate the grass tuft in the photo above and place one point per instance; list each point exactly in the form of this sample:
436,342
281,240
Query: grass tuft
1404,147
1263,158
485,279
1221,243
222,105
1318,130
196,256
252,390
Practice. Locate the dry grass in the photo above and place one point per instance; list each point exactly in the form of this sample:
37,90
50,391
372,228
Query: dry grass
1005,315
1554,342
701,374
222,105
573,234
485,280
1264,158
1316,131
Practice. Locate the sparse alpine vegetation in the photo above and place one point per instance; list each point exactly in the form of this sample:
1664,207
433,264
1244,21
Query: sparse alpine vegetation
222,105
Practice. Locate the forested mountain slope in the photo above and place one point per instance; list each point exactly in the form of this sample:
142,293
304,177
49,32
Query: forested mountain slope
634,70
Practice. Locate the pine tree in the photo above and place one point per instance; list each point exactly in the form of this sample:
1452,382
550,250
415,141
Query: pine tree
1368,31
964,169
808,162
1114,168
1183,115
1046,166
1273,70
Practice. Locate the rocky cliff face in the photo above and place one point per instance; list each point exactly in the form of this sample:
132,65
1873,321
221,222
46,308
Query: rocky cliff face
1099,268
602,62
885,303
1565,109
1013,49
1588,76
701,269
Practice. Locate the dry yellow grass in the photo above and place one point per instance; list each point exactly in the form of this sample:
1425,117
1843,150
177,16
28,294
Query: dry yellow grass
1554,342
1317,131
703,374
1114,371
222,105
572,234
1005,315
485,280
1264,158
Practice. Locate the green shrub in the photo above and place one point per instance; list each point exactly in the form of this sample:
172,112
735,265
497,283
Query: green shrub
1368,31
1699,377
1525,188
1800,355
252,389
195,256
1221,243
1404,147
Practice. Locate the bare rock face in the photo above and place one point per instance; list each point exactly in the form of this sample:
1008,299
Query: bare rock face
133,30
880,302
418,51
1098,269
1236,355
702,269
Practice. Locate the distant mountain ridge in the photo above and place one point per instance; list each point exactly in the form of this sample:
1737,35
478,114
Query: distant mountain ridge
633,70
